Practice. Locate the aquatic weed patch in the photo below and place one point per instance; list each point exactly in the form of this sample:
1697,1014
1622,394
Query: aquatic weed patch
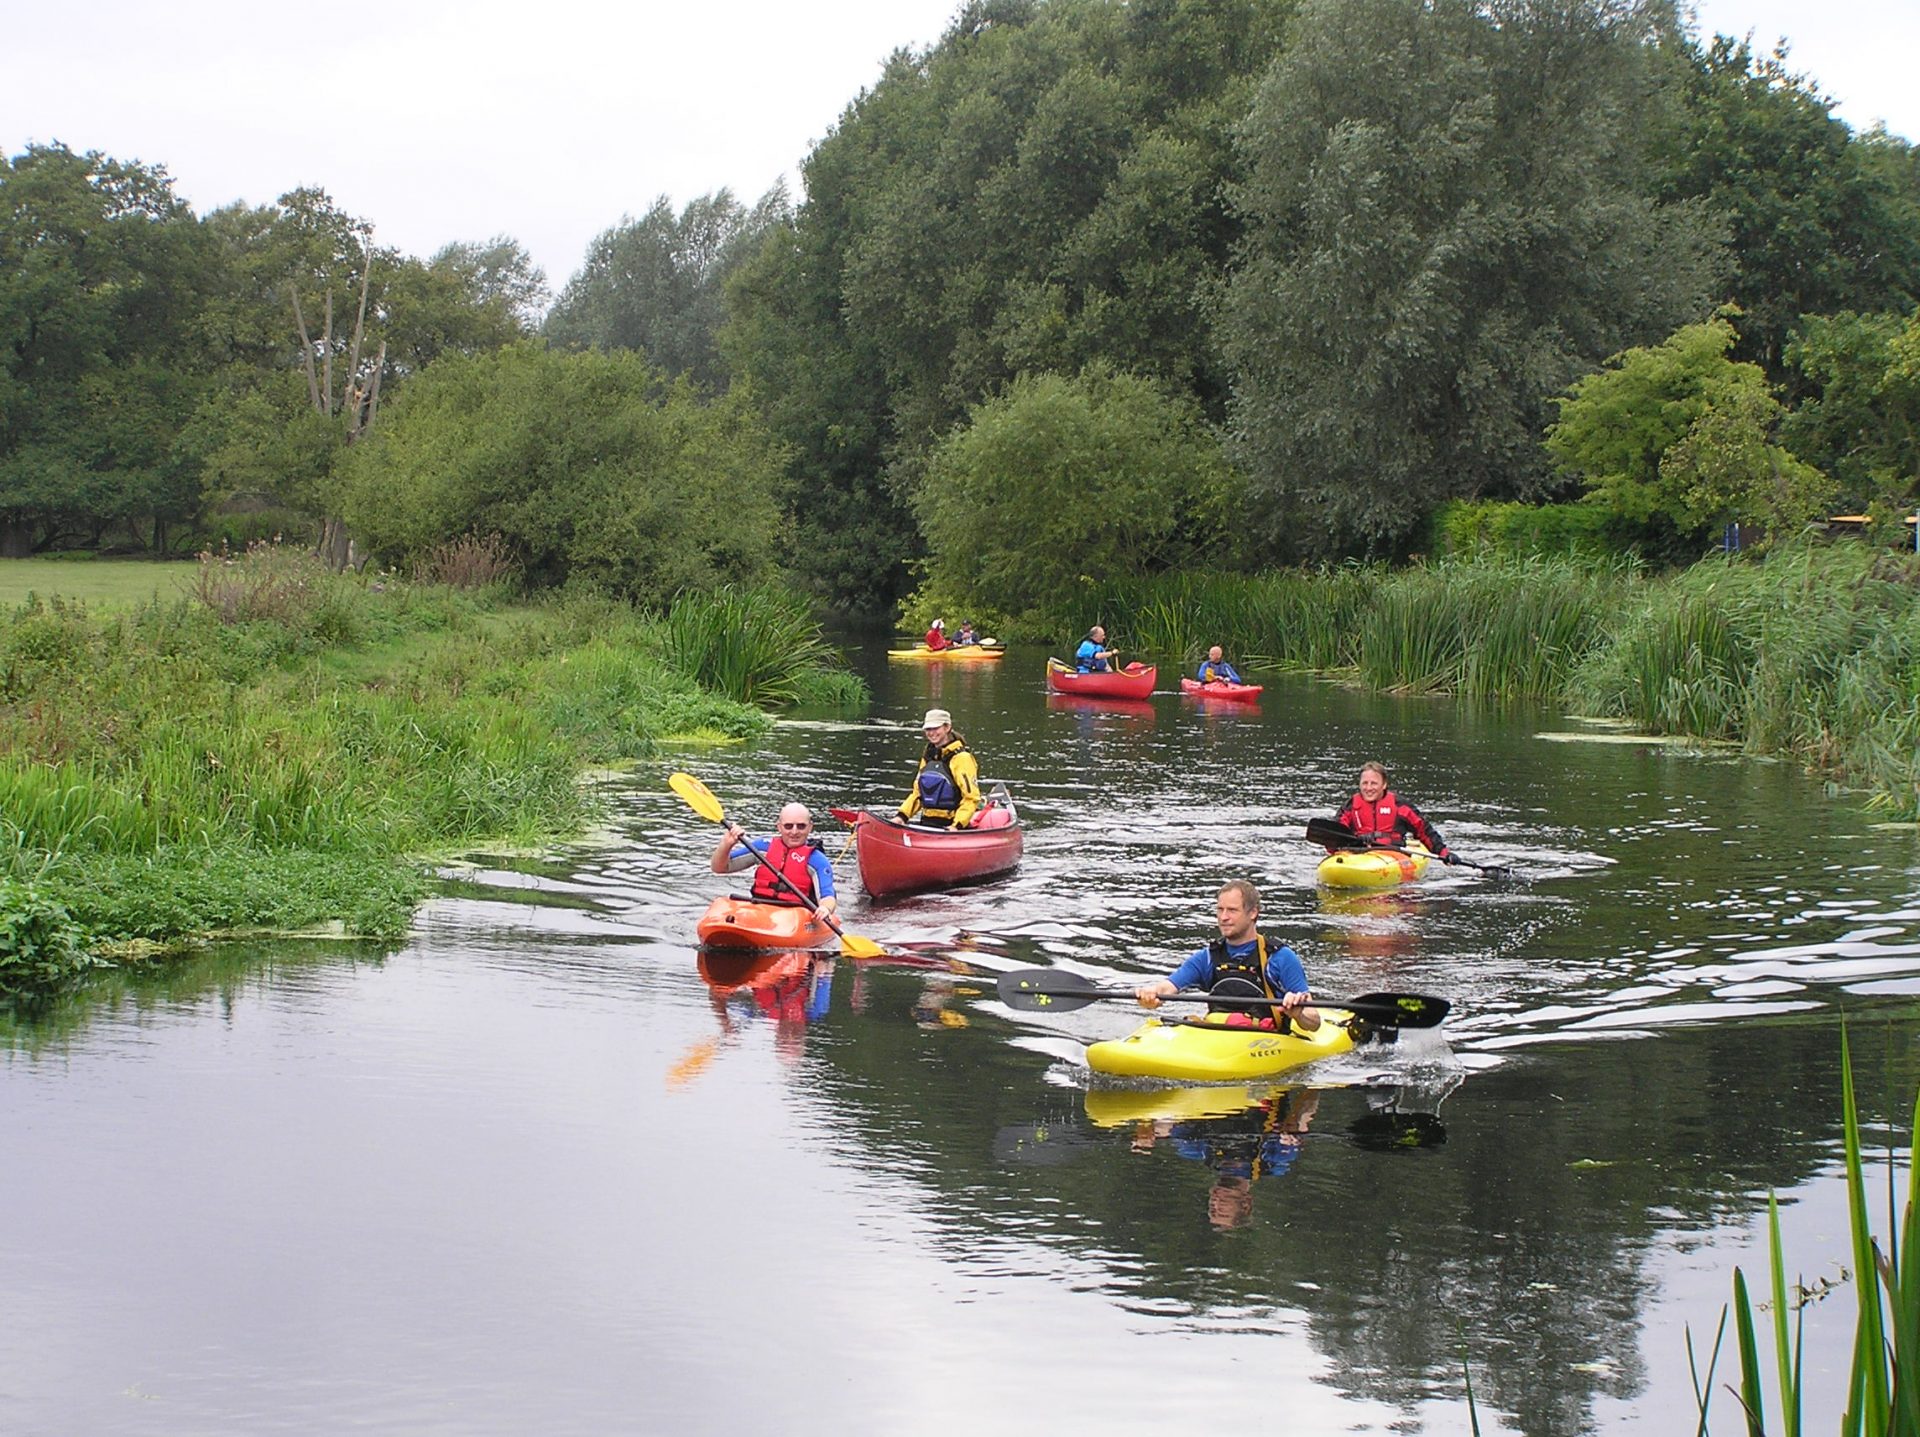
191,768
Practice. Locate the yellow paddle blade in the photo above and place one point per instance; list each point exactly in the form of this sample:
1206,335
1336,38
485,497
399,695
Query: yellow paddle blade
852,945
691,1066
698,796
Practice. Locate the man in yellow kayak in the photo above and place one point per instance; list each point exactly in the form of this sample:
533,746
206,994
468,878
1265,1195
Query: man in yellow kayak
1242,963
946,787
794,851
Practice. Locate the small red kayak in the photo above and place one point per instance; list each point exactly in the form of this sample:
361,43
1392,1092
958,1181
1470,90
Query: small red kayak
734,922
895,857
1233,693
1135,681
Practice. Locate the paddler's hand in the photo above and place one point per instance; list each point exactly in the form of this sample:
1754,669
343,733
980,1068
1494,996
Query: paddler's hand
828,906
1299,1006
1148,995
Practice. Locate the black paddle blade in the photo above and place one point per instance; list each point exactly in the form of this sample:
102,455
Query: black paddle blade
1329,834
1396,1010
1048,990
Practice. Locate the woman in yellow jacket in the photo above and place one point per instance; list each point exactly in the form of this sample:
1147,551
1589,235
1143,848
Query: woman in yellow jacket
946,789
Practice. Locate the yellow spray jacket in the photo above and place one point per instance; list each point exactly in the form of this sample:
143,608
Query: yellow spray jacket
952,763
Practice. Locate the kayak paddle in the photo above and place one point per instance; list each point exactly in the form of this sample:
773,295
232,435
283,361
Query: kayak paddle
1328,834
700,799
1055,990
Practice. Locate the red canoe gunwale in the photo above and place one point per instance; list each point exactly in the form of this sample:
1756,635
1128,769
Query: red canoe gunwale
896,857
1135,681
1230,693
735,922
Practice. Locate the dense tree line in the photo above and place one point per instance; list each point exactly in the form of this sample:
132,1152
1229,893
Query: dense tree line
1346,259
157,367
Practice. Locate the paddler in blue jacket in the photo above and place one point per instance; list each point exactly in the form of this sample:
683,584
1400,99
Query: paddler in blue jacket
794,852
1216,670
1242,963
946,786
1093,656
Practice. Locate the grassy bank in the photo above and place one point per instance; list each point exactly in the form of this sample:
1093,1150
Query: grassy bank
279,749
1812,653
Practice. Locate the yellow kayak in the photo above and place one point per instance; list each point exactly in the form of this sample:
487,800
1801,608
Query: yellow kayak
1374,867
958,654
1210,1050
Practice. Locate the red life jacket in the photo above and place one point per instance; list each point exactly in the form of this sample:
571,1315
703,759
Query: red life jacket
1376,820
794,866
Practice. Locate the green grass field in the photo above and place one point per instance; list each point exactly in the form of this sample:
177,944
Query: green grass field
101,583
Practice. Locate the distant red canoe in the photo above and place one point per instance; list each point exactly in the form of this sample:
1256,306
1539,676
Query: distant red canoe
1232,693
895,857
1135,681
734,922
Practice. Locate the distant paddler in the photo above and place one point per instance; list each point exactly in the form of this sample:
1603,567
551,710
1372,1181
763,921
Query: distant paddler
1093,656
937,636
1215,669
1242,963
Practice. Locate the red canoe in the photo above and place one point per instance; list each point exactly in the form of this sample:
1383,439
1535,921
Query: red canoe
895,857
1233,693
1135,681
734,922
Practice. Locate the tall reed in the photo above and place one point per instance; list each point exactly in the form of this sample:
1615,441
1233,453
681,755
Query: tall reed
1884,1379
752,645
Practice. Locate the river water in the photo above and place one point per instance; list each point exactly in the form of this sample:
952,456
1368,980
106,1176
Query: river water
529,1172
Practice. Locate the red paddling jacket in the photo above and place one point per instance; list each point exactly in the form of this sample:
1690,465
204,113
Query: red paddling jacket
1387,818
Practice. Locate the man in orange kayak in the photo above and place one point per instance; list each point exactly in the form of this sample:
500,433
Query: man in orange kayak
794,851
1383,818
1216,670
1242,963
937,636
946,786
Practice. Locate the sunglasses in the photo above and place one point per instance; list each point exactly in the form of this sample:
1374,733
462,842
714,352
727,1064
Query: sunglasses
796,825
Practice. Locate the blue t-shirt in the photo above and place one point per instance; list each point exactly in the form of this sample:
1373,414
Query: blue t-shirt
1284,968
1210,671
1087,658
816,863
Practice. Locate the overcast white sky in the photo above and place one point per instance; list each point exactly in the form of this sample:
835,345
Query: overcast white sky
445,121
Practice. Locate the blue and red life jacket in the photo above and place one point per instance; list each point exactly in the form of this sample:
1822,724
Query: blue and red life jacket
794,864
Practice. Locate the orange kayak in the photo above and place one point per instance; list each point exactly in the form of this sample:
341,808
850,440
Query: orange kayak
733,922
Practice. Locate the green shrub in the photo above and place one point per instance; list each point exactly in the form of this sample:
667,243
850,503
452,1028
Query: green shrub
40,944
1474,528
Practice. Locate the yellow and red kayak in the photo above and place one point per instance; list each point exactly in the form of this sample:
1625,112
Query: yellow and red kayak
734,922
1210,1050
1374,867
952,654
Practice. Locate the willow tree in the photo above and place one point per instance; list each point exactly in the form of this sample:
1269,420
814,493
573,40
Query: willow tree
1448,219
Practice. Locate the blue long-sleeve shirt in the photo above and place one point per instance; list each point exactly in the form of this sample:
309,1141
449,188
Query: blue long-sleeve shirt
1284,969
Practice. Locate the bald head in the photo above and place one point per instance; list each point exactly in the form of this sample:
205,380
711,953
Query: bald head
795,818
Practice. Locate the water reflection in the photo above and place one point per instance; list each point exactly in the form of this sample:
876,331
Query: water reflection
1643,1044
